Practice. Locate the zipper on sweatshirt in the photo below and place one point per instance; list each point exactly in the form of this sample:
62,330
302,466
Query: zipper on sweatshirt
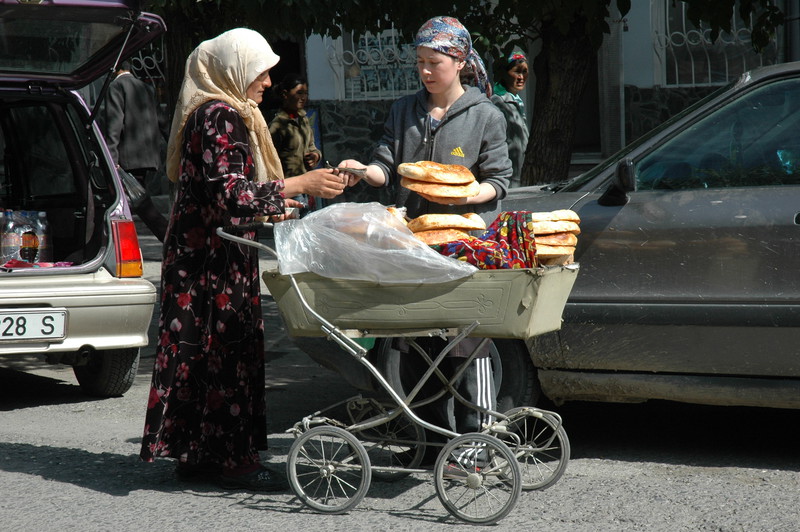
427,139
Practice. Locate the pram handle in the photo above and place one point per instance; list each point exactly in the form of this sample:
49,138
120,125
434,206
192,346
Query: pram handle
225,232
244,228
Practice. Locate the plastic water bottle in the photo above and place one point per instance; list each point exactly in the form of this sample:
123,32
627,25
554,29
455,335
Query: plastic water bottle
29,246
11,238
42,228
2,232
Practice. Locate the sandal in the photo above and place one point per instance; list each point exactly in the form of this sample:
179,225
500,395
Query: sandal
261,479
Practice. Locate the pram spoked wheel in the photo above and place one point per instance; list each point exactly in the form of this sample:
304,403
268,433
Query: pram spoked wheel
477,478
397,443
328,469
542,449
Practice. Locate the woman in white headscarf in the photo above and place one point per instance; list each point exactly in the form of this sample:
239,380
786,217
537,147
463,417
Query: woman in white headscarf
206,407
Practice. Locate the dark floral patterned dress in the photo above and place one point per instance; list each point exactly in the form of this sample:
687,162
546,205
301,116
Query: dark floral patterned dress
206,403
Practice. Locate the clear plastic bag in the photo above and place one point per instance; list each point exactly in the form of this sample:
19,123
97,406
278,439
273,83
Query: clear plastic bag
361,241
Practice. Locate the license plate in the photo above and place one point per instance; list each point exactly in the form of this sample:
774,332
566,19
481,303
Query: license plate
32,325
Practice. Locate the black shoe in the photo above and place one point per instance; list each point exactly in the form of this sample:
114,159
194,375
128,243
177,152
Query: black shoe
261,479
197,472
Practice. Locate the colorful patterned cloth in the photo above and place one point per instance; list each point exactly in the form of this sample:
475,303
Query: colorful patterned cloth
507,244
448,36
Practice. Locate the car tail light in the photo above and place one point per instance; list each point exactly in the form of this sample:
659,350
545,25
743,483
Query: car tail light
126,247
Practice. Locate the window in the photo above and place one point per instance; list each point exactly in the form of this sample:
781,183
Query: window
687,57
42,154
51,45
5,182
374,66
749,142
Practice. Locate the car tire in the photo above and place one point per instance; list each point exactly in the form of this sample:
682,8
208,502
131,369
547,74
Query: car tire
108,373
518,381
515,376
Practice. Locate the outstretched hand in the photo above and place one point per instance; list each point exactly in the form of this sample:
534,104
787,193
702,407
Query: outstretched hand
323,183
352,177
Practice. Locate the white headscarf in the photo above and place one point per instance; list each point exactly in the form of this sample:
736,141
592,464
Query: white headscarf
221,69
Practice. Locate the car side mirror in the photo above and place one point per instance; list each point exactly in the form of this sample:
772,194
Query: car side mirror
624,176
624,181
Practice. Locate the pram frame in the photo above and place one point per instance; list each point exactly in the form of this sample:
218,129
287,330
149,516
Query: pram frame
345,339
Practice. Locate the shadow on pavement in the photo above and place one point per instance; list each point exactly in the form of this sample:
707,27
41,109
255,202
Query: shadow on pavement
19,389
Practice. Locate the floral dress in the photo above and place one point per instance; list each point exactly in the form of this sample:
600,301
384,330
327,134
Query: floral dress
206,403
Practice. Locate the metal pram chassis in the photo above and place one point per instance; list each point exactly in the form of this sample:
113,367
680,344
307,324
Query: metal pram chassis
478,476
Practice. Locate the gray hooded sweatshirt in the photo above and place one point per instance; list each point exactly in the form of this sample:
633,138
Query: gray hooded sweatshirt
472,133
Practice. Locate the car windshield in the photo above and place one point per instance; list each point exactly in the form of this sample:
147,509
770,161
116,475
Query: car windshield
579,181
751,141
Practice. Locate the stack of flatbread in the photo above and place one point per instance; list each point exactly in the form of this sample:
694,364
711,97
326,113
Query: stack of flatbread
556,234
442,181
440,228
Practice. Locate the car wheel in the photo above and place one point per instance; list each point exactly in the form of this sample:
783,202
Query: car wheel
515,376
108,373
519,383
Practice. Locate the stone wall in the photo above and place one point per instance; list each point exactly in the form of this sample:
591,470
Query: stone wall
350,130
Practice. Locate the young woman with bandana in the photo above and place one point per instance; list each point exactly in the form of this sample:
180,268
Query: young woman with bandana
207,406
506,98
451,123
446,121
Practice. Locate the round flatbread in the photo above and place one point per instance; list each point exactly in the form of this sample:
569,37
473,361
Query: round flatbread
442,191
441,236
476,217
553,216
399,213
429,222
548,228
546,252
432,172
557,239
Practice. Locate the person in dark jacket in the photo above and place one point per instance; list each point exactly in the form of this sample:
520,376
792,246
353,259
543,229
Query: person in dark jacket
451,123
506,97
134,139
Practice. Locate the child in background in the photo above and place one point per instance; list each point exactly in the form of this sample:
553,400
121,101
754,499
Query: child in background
291,131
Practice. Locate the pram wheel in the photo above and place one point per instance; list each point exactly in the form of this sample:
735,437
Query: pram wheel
397,443
328,469
543,448
477,478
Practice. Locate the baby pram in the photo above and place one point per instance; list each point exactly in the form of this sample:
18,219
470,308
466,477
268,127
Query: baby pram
478,476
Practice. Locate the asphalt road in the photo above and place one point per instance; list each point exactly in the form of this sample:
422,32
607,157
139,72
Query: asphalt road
70,463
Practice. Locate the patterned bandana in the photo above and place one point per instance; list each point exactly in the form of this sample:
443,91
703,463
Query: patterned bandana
513,59
448,36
